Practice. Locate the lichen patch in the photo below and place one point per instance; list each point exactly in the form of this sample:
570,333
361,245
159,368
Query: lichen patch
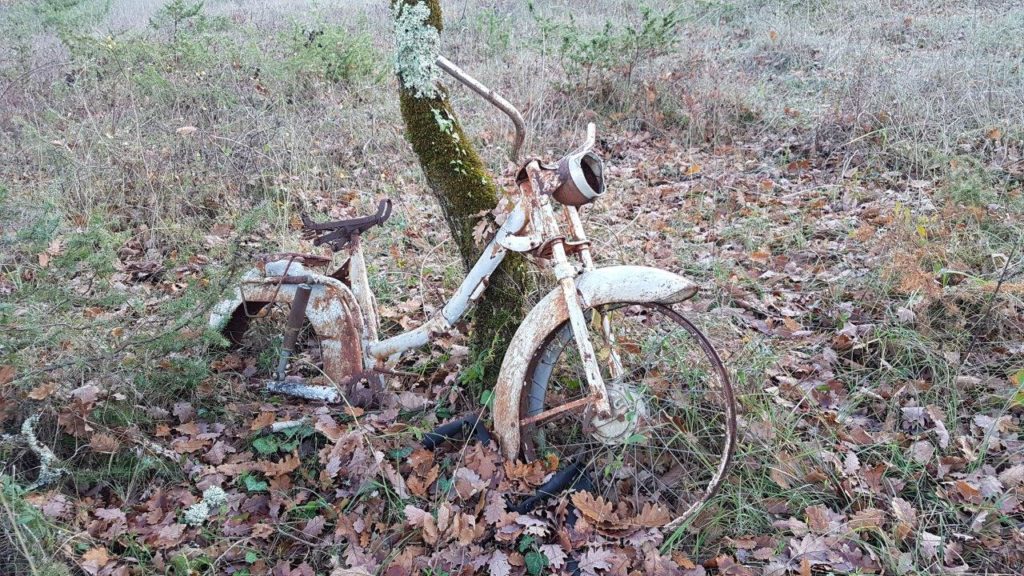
417,45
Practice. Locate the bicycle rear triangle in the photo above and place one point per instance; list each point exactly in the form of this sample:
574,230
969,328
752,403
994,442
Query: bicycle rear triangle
602,374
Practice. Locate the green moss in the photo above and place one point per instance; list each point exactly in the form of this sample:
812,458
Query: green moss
464,188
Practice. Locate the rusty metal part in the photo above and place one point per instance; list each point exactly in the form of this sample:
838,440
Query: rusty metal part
572,214
566,273
363,295
616,431
638,284
616,428
581,179
345,390
305,279
293,326
313,260
570,246
492,97
262,266
332,311
472,286
547,172
546,415
337,235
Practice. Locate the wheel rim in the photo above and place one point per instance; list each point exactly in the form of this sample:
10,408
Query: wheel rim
672,438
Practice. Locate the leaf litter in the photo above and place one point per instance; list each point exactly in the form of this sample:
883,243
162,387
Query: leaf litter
864,474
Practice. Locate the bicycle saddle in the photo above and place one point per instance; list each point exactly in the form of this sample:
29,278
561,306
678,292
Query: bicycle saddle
338,234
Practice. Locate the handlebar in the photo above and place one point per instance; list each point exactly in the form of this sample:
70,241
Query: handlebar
588,144
505,106
494,98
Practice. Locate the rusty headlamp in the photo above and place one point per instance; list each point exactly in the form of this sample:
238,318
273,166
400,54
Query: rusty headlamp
581,179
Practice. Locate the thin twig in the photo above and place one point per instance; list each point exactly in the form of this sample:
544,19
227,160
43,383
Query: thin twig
991,304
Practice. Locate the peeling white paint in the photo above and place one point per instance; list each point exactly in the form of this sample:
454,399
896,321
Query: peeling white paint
317,393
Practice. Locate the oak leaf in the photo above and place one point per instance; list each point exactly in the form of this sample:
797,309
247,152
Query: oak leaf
1012,476
328,426
468,483
43,391
6,374
596,559
262,421
86,394
597,510
498,564
419,484
314,527
94,560
104,443
817,518
906,517
555,555
652,516
422,519
495,509
867,518
169,536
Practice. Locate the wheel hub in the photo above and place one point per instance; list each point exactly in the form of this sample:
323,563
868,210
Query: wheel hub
628,410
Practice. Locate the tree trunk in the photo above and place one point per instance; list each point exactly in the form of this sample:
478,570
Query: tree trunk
458,179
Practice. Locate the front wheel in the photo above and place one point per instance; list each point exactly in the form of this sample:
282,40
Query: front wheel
672,431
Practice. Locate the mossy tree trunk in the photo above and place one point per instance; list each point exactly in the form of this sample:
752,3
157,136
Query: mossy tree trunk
456,176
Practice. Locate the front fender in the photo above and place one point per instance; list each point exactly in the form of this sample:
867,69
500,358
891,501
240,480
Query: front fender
638,284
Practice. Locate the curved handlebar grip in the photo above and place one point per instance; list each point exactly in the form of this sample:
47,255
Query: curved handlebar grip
491,96
383,210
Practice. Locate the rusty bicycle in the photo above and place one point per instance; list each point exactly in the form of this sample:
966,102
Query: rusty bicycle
603,374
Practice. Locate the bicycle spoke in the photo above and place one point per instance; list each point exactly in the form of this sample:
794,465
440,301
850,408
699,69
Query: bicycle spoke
670,429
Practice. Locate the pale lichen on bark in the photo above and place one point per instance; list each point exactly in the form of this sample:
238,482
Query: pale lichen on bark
417,45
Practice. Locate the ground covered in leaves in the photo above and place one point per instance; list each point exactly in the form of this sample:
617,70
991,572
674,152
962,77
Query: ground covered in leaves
874,436
850,202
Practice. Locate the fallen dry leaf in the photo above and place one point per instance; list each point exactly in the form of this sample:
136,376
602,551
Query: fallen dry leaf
94,560
596,510
43,391
104,443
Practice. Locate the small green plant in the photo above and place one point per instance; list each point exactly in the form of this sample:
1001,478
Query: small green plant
536,561
284,441
253,483
65,15
332,54
969,183
614,49
176,15
495,29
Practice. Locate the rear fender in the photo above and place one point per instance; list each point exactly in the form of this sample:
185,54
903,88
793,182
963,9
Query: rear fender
332,311
638,284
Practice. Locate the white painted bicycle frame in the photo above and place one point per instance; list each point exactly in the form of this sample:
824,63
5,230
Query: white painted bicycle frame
337,310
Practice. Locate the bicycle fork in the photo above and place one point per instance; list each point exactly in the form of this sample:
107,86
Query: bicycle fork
598,392
566,275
